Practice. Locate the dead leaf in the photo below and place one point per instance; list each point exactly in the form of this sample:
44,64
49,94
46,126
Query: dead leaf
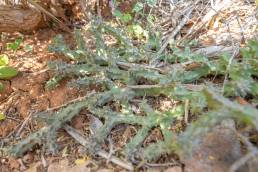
63,166
28,158
65,152
95,124
2,116
81,161
241,101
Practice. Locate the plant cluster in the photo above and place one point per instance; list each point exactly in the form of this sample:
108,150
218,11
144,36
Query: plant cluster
123,74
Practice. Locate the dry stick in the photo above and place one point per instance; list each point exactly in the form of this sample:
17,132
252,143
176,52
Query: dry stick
98,8
186,111
111,149
243,160
22,166
205,20
162,165
241,28
23,125
12,118
39,72
177,29
133,65
236,51
127,66
187,86
214,50
37,6
66,104
12,132
43,160
83,8
245,141
72,132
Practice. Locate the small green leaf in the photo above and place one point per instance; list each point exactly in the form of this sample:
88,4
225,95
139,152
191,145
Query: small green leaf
150,18
1,87
65,152
118,14
4,60
15,45
2,117
126,18
7,72
138,7
137,31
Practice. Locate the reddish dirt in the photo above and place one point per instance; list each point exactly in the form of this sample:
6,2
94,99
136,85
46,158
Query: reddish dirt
29,86
26,93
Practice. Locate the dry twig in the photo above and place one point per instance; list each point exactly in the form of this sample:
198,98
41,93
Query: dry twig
243,160
38,7
175,32
215,9
23,125
72,132
187,86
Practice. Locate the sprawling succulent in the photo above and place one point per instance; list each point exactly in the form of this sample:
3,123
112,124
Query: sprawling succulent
124,74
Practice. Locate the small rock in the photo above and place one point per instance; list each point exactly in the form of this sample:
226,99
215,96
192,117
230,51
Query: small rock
174,169
28,158
14,164
217,151
34,167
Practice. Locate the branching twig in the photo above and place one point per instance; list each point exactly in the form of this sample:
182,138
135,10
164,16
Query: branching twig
205,20
174,33
71,131
234,54
23,125
243,160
